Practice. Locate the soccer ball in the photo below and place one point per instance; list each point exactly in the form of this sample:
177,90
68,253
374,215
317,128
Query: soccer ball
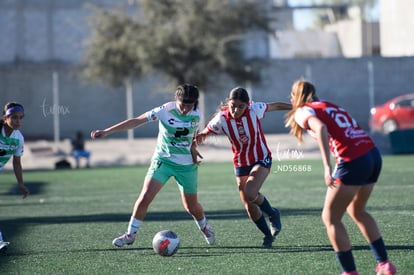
165,243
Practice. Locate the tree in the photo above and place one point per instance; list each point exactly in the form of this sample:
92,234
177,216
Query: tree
189,41
193,41
111,54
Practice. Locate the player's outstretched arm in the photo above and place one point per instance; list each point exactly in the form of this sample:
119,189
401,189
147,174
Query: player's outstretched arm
278,106
122,126
201,136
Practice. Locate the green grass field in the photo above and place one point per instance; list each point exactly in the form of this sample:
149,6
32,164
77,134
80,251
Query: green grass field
67,224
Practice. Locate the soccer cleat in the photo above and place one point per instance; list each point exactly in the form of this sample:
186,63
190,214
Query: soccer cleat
208,234
275,224
267,241
350,273
124,239
3,245
385,268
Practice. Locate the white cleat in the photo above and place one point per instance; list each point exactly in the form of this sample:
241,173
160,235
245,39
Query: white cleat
208,234
3,245
124,239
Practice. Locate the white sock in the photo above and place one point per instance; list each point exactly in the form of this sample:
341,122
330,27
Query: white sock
133,225
201,223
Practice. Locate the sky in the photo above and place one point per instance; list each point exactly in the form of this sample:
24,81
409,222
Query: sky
303,19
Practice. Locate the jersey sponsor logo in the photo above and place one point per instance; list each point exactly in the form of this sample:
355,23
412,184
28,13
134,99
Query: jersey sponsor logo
181,132
5,146
181,124
183,144
355,133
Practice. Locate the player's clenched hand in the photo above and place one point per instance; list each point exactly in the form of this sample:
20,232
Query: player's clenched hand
329,181
24,190
98,134
195,154
199,139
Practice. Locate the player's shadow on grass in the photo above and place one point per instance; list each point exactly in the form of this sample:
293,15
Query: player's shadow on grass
11,252
231,214
241,214
35,188
211,215
204,251
217,250
116,217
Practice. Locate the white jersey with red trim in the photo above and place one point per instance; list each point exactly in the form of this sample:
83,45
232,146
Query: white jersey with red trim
245,133
347,140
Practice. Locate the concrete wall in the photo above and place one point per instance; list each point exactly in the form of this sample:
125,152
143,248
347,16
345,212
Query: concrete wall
397,27
85,106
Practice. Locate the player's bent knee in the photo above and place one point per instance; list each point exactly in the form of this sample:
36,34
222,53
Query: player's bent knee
252,198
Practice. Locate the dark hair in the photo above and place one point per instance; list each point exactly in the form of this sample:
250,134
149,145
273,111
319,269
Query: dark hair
11,105
240,94
187,94
235,93
8,106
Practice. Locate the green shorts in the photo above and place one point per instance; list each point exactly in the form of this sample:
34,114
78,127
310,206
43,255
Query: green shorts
186,176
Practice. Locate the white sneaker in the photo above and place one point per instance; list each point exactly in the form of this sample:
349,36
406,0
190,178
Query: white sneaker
208,234
3,244
124,239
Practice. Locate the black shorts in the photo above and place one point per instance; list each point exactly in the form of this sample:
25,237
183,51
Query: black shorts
363,170
245,170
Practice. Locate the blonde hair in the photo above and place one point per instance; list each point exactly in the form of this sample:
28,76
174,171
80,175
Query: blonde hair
302,92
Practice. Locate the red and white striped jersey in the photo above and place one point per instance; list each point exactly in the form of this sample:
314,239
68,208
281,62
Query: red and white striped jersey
245,133
347,140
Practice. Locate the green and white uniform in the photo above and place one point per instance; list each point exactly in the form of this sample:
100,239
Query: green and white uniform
10,146
172,156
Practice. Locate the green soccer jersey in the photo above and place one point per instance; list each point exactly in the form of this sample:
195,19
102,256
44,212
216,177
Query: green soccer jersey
10,146
175,133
